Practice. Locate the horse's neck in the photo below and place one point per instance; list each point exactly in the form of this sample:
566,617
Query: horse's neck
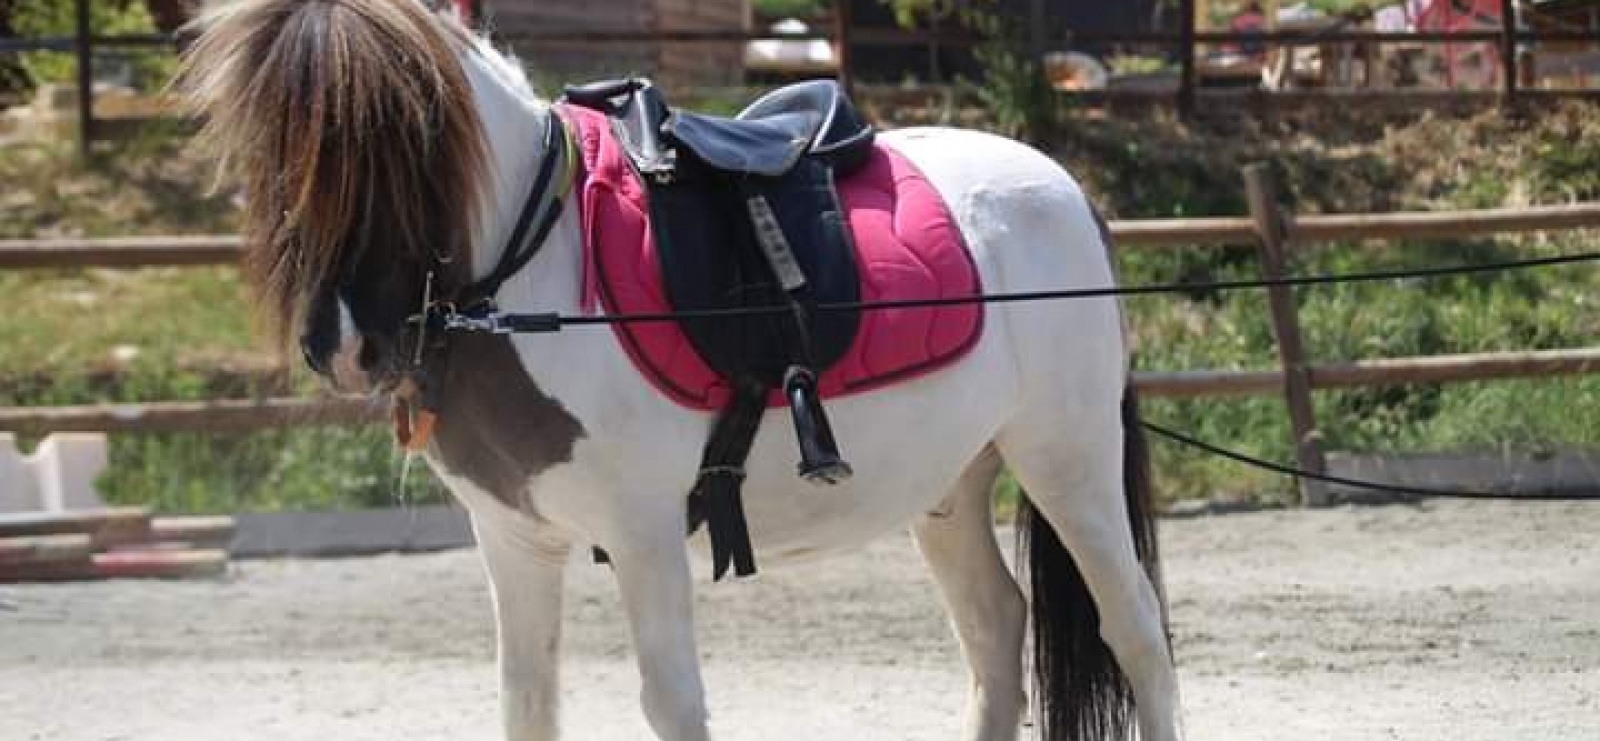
514,125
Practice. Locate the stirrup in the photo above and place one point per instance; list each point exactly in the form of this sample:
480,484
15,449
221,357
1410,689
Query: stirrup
819,453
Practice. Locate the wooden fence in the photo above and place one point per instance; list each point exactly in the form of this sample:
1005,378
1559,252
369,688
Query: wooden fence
1269,227
1183,44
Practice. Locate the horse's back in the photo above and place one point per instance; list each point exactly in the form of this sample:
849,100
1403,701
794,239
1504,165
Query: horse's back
1030,228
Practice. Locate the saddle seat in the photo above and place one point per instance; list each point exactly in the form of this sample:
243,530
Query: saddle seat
768,138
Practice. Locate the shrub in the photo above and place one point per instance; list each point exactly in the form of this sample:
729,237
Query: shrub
148,69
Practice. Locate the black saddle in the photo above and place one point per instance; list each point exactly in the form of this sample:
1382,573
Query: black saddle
768,138
744,213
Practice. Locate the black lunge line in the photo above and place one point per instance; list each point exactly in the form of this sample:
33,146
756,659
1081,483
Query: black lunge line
554,322
1418,491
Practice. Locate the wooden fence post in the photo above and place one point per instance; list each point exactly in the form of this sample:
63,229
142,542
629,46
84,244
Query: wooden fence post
842,21
1187,77
85,49
1037,27
1272,235
1508,51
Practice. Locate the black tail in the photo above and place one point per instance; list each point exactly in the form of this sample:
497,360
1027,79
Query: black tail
1080,694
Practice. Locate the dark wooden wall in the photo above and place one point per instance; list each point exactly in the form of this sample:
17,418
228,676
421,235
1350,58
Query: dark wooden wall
892,63
677,64
706,63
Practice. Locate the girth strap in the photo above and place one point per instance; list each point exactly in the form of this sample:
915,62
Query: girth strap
717,498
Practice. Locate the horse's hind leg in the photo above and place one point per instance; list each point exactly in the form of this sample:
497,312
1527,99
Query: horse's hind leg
1072,470
986,607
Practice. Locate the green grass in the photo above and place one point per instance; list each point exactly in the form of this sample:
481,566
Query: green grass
1543,308
85,319
298,469
154,183
789,8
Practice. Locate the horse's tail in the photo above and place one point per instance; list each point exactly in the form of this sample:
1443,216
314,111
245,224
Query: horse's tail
1080,692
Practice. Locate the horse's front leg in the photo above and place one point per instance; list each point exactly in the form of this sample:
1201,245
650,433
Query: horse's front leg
525,564
652,569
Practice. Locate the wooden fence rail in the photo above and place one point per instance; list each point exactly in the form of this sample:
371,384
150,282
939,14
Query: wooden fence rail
119,252
228,415
1355,374
138,252
254,415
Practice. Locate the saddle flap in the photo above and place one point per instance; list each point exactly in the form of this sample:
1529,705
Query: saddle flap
768,146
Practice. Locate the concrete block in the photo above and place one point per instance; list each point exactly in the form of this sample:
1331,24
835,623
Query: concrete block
1565,472
58,476
427,528
18,489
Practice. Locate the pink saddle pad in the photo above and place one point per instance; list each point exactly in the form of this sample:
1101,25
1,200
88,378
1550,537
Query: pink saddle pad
907,243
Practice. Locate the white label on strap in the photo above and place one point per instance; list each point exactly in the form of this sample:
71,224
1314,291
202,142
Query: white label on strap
774,245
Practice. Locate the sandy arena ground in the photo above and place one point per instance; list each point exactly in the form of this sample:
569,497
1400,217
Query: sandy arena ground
1448,622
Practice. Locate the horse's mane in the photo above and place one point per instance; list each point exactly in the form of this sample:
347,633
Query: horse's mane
352,127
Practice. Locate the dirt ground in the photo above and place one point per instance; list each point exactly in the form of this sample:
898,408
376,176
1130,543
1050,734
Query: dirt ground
1449,621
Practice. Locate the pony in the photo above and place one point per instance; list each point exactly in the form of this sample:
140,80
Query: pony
385,150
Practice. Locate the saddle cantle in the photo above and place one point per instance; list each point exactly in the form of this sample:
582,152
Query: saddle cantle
741,212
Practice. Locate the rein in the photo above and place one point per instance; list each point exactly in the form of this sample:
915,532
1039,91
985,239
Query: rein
473,307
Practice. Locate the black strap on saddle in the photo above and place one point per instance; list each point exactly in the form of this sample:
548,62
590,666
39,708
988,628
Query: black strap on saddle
744,212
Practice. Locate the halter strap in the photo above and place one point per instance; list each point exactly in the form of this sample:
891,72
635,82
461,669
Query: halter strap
543,206
417,404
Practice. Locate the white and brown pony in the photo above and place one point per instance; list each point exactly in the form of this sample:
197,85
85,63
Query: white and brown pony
379,141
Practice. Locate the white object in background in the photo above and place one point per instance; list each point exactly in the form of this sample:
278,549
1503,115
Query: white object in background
1299,13
1391,19
789,55
1073,70
59,476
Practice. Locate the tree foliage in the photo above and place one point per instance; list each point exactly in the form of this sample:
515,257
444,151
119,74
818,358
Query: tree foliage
55,19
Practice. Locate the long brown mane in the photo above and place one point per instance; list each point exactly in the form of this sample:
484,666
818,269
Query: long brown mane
352,127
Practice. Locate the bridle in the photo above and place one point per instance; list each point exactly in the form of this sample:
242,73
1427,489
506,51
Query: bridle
473,306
